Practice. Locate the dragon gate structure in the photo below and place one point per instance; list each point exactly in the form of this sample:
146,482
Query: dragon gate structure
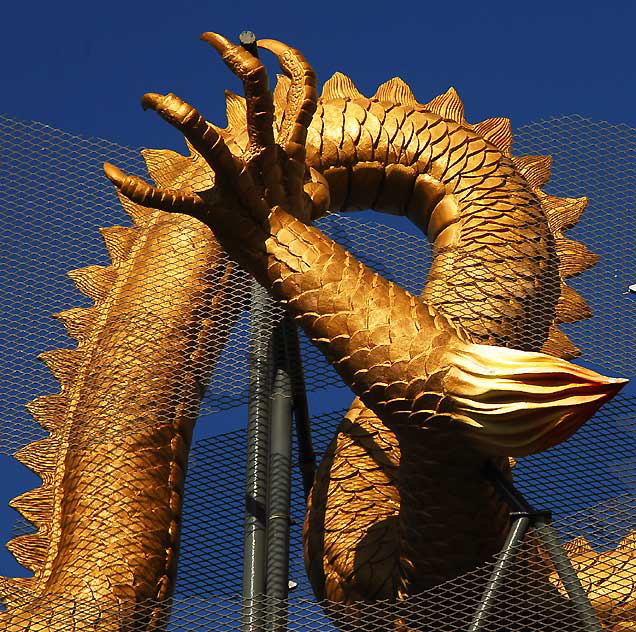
415,489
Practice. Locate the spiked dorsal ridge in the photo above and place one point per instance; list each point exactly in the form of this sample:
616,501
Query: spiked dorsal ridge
94,281
339,86
496,131
535,169
78,321
49,411
395,91
118,241
448,105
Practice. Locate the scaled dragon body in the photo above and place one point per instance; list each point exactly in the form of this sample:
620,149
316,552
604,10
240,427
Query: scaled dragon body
444,382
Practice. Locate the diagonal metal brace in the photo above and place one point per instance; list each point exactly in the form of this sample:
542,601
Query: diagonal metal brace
524,516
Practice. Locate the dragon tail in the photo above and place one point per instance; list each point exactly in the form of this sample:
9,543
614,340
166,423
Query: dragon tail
516,403
49,411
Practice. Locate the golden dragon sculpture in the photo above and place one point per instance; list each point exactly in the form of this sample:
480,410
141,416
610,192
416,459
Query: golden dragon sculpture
472,370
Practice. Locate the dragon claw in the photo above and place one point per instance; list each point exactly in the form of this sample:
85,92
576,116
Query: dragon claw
150,100
139,192
218,42
264,176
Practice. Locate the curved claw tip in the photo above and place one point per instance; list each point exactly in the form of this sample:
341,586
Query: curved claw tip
217,41
150,100
114,174
273,46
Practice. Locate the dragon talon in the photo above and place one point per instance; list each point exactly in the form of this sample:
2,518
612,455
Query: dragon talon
203,136
139,192
260,103
114,174
150,100
220,43
302,104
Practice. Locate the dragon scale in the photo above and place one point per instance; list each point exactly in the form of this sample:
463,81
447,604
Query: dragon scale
398,504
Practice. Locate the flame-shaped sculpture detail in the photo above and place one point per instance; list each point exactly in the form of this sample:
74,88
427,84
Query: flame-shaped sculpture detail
474,369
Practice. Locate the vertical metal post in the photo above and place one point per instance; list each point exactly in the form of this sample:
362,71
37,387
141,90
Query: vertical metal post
262,307
278,520
302,421
258,430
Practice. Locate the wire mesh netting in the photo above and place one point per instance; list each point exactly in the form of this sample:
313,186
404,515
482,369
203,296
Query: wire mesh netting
55,197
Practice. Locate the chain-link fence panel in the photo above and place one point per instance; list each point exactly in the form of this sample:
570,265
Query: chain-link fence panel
56,196
587,483
185,328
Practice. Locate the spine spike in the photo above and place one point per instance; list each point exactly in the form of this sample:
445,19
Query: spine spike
29,550
562,213
498,132
395,91
448,106
574,257
118,241
63,363
36,505
39,457
559,345
579,545
79,321
236,109
16,591
535,169
94,281
571,306
628,543
339,86
49,411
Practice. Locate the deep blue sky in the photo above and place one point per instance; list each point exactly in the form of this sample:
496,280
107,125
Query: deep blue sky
82,66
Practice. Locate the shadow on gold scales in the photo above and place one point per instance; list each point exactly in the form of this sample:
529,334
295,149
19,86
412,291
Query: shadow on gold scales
473,371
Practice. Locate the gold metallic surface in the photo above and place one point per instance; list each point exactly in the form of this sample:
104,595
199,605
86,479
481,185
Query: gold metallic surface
443,382
108,511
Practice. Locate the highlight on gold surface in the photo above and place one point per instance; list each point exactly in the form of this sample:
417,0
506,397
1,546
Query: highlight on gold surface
473,368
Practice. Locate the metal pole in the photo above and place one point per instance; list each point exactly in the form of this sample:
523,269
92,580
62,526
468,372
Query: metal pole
253,619
504,561
279,486
258,429
302,421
